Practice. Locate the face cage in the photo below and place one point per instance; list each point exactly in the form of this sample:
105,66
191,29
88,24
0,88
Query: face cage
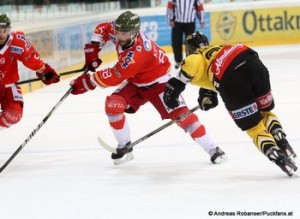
189,49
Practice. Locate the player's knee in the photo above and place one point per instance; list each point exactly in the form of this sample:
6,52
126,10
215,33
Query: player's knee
11,115
247,116
249,121
115,104
261,138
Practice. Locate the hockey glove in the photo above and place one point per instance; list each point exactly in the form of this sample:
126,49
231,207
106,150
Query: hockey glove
48,75
82,84
207,99
92,60
172,91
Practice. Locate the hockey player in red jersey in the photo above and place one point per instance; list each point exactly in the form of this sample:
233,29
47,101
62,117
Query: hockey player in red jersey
242,80
141,72
15,47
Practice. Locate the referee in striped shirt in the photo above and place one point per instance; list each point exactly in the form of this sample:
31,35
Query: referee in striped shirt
181,15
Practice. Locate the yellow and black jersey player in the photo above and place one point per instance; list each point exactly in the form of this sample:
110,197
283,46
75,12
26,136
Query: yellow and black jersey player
242,80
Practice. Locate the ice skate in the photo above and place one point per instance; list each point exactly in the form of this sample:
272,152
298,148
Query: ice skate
283,144
124,154
285,163
217,155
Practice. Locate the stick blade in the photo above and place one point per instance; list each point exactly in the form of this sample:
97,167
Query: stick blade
106,146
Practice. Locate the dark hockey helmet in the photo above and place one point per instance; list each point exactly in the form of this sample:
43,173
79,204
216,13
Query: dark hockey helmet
4,21
128,22
195,41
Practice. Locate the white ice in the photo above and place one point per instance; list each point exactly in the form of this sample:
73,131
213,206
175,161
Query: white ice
63,173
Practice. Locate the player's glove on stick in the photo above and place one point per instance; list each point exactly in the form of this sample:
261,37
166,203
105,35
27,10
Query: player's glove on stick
172,91
92,60
207,99
48,75
82,84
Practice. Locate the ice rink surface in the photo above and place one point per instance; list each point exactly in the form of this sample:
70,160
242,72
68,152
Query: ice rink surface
63,173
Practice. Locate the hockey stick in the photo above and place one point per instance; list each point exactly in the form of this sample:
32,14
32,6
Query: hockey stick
39,79
113,150
38,127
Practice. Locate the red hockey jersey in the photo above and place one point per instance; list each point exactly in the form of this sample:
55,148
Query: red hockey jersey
17,48
140,64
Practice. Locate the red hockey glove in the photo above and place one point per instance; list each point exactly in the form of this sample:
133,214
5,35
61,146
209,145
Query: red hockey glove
92,60
49,75
82,84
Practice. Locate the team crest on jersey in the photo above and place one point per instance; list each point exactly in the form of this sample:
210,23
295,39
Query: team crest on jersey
16,49
128,59
21,37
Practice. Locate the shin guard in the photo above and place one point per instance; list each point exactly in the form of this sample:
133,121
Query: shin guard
115,106
271,121
189,124
11,115
261,137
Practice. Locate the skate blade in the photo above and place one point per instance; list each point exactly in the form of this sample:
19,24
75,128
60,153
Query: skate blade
290,171
127,157
291,154
220,159
293,157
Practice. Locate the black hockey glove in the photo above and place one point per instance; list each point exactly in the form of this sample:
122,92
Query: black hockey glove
207,99
172,91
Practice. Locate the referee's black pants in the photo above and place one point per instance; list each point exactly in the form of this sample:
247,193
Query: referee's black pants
179,32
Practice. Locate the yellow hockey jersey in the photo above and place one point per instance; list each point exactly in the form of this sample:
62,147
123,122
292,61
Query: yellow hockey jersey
209,63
